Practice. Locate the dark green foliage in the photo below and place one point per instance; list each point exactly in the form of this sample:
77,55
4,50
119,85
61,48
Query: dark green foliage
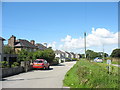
75,59
47,54
115,53
91,54
4,64
15,64
23,55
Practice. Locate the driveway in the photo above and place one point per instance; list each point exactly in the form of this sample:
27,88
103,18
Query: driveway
39,78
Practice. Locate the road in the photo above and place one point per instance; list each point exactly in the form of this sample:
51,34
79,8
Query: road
39,78
116,65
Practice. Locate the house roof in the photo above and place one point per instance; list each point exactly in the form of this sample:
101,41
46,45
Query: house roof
24,43
67,52
58,51
40,46
2,39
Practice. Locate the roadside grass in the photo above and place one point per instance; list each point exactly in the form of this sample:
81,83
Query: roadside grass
85,74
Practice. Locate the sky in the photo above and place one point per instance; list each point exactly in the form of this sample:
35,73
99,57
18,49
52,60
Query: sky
62,24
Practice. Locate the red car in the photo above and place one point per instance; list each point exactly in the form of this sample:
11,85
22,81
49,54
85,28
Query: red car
41,63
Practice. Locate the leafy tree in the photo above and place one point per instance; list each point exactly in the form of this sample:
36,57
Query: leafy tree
23,55
37,54
115,53
8,50
91,54
47,54
83,55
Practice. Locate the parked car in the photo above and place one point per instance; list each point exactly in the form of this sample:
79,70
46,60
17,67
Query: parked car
41,63
97,59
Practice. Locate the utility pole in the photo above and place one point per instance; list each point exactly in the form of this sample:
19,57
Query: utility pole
85,42
103,51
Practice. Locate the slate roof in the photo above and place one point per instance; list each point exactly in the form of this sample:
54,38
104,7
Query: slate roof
58,51
40,46
24,43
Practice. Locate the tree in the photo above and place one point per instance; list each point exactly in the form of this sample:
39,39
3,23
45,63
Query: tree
23,55
47,54
91,54
8,50
115,53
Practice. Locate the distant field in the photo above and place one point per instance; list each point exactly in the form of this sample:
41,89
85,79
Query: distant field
85,74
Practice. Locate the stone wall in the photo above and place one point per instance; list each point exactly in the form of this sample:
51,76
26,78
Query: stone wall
25,67
11,71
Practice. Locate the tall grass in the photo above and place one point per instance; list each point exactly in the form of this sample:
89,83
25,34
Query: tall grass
85,74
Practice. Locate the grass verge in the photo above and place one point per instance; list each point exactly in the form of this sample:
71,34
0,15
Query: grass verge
85,74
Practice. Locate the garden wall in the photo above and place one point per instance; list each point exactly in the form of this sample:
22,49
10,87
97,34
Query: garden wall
25,66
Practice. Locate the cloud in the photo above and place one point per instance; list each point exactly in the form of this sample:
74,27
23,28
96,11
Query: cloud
53,45
97,37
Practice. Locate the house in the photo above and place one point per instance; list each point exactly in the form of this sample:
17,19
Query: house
78,56
40,46
20,44
60,55
1,48
67,54
72,55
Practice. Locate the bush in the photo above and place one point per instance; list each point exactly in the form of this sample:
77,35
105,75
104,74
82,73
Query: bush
75,59
3,64
15,64
115,53
68,59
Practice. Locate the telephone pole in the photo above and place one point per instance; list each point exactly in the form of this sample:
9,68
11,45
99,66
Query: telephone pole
103,51
85,43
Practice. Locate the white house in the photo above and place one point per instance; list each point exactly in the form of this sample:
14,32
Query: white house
72,55
60,55
78,56
67,54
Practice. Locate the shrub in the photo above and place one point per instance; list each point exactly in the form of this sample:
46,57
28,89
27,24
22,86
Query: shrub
4,64
15,64
75,59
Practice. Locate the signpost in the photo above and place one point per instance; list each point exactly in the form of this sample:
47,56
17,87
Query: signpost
108,62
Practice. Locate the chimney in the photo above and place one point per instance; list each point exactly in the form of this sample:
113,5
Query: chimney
11,41
32,42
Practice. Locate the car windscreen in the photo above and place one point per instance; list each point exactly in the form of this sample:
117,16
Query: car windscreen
38,61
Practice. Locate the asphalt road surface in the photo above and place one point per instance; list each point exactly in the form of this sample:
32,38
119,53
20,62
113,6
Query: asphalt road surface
39,78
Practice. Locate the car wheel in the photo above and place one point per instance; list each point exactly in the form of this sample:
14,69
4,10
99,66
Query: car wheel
44,68
48,67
